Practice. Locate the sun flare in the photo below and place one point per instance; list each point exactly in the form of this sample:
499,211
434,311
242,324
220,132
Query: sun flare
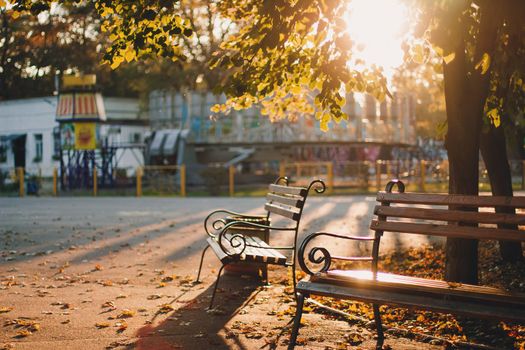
377,28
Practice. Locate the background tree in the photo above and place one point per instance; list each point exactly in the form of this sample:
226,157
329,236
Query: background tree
33,49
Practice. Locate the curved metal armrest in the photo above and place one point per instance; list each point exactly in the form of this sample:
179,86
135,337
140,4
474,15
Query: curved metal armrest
219,223
326,258
237,240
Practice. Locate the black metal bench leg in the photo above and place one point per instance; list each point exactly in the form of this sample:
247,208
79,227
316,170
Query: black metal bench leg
200,265
264,274
296,321
294,281
379,327
216,284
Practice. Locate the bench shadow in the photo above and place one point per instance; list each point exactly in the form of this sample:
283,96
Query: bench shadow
192,326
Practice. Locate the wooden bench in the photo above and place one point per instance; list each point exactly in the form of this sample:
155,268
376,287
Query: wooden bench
233,236
427,214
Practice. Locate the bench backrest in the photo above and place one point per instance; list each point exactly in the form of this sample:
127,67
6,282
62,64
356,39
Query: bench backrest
450,215
288,201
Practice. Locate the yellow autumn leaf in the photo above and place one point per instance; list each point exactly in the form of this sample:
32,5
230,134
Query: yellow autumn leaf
117,60
449,58
324,122
295,89
165,308
494,116
23,333
484,63
2,3
102,325
130,55
106,12
5,309
126,313
261,86
15,14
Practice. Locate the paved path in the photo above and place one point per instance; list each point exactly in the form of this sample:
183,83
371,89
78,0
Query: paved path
69,264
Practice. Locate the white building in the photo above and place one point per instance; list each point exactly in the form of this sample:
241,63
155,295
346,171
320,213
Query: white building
29,135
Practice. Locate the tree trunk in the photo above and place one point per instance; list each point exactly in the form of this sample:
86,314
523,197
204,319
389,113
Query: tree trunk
466,89
494,152
462,143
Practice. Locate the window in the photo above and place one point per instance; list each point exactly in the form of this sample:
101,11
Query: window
135,137
3,151
38,148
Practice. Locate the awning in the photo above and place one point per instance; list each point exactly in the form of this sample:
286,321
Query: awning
155,148
170,143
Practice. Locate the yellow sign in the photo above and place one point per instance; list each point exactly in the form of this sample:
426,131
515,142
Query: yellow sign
79,80
85,136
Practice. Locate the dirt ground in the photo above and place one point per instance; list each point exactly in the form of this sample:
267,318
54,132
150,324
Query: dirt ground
117,273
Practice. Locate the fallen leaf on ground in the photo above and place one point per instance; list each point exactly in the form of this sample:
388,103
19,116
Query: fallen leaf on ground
23,333
126,313
108,304
121,326
102,324
165,308
5,309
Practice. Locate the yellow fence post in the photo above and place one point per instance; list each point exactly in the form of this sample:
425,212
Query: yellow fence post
388,170
378,175
20,176
422,180
330,170
183,180
138,174
55,182
95,184
282,170
231,173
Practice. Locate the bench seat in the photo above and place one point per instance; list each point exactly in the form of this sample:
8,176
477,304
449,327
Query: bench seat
257,251
418,293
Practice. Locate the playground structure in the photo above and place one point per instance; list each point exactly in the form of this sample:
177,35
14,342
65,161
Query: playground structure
87,154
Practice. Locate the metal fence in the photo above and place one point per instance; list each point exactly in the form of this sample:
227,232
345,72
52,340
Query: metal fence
250,178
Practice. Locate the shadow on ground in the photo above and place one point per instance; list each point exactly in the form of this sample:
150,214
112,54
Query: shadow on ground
193,326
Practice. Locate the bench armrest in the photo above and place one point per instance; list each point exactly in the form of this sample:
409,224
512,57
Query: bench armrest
212,224
325,257
237,240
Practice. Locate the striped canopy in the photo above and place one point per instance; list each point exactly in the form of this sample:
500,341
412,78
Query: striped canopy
88,106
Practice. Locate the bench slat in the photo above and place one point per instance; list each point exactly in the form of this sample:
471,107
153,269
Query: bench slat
450,215
405,298
294,201
451,199
448,230
279,189
288,212
389,281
